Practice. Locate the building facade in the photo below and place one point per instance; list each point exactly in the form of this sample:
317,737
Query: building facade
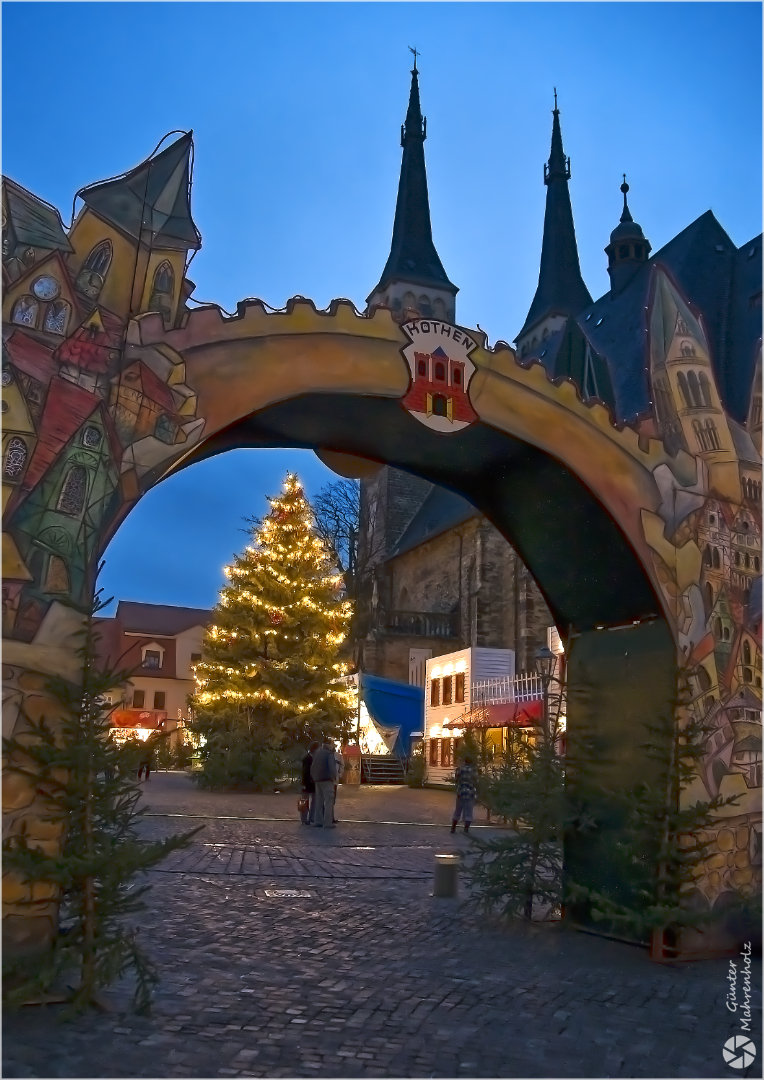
160,645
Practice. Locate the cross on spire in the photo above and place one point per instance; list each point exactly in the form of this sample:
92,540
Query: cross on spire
555,97
416,54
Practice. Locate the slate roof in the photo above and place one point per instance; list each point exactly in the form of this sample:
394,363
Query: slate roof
744,444
701,260
441,510
561,289
153,197
160,620
412,255
34,222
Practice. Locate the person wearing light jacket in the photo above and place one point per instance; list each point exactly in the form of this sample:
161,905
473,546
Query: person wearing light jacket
323,771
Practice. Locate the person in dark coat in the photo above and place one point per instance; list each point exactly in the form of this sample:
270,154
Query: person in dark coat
324,774
146,764
308,786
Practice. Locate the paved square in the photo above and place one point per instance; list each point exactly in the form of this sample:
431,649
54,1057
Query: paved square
368,975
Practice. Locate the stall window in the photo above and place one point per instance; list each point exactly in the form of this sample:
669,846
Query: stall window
448,689
445,752
434,692
434,751
459,695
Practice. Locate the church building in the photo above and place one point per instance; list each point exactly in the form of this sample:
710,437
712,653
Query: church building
438,575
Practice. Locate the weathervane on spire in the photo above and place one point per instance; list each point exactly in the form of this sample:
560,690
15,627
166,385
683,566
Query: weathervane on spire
416,54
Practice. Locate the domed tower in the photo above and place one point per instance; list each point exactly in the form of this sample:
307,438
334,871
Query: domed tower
628,248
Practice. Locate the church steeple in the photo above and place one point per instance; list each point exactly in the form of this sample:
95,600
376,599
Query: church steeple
561,291
413,271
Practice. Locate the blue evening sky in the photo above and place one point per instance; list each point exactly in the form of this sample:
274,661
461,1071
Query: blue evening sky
296,110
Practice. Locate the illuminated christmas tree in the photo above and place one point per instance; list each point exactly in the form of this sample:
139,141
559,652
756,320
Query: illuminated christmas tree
267,680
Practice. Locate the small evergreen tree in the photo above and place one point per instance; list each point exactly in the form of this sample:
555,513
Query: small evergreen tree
267,679
520,874
661,850
86,780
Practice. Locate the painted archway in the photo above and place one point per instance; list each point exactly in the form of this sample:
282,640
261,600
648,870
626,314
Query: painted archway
605,518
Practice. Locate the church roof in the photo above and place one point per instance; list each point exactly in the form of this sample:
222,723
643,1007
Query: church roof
561,289
412,254
702,261
441,510
152,200
33,221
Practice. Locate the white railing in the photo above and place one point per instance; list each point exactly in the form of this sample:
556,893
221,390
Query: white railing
506,690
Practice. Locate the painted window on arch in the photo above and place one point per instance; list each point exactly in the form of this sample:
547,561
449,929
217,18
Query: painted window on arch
72,497
25,311
15,458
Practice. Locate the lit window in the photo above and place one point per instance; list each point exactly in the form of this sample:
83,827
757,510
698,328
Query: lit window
459,688
445,752
152,659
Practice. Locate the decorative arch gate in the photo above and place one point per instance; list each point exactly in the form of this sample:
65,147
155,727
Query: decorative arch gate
609,523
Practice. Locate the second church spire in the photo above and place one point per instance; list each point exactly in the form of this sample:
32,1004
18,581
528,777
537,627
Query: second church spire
413,280
561,290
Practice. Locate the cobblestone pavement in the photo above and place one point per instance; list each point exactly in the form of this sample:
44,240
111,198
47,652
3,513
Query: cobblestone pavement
363,973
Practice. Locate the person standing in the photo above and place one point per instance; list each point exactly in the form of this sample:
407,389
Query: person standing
308,786
340,763
145,764
323,771
466,793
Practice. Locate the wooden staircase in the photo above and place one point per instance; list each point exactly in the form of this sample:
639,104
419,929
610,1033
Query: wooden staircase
382,769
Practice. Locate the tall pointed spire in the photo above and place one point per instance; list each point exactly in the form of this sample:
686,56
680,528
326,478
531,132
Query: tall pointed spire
413,258
152,201
561,290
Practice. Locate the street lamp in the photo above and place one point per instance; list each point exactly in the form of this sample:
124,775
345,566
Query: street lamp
545,662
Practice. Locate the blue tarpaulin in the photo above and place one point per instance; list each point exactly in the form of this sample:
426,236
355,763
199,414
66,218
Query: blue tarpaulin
396,710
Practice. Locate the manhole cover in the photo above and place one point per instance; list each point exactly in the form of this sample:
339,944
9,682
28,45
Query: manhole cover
287,893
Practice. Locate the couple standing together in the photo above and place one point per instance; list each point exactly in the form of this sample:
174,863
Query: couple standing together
321,770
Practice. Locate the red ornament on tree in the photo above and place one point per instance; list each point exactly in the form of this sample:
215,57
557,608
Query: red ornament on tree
276,617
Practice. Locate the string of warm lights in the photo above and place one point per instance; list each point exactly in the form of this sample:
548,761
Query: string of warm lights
280,621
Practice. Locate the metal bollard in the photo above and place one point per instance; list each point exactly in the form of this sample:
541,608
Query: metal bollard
446,879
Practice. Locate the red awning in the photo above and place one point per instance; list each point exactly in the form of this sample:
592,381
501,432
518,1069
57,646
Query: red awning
509,714
144,718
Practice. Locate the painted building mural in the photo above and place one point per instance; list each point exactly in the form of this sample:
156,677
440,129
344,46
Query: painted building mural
111,381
